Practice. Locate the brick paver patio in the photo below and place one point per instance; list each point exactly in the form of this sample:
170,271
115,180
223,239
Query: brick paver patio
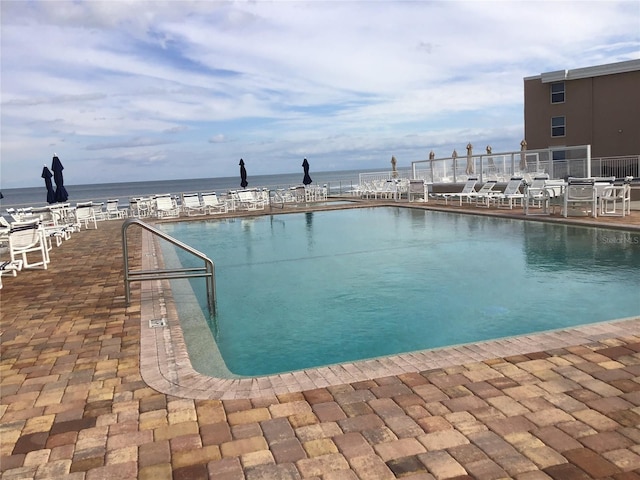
74,404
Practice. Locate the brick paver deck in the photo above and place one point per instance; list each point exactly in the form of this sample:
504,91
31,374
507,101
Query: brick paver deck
74,403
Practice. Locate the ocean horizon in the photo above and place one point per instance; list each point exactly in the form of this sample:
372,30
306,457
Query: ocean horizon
337,181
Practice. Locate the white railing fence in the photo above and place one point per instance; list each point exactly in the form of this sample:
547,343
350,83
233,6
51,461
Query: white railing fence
558,163
618,167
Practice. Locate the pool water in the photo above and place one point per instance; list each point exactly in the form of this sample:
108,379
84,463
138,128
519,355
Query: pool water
304,290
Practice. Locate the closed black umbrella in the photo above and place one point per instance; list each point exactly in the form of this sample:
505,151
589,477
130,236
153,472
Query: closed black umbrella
305,166
61,192
243,175
51,194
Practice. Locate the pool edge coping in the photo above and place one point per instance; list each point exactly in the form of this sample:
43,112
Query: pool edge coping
165,364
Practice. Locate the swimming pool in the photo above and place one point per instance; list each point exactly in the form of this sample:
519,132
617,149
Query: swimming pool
308,289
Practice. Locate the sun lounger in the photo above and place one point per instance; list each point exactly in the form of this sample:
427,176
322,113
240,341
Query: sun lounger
511,194
249,200
212,204
11,266
483,196
112,211
191,204
467,191
166,207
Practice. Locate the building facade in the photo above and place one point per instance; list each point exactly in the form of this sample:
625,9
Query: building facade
597,106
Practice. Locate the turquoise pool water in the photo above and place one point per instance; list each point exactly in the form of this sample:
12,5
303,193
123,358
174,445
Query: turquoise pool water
303,290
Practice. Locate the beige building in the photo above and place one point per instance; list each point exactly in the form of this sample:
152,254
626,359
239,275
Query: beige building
597,106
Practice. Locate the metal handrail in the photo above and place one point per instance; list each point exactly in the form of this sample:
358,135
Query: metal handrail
207,271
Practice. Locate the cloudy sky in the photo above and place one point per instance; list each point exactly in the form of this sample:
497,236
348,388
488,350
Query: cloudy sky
153,90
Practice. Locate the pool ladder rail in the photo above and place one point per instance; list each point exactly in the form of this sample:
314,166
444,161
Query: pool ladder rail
207,270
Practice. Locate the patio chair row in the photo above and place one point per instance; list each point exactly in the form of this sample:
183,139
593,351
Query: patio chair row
605,196
30,239
300,194
594,196
32,233
487,195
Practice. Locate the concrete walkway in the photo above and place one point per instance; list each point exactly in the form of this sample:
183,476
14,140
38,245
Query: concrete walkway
74,404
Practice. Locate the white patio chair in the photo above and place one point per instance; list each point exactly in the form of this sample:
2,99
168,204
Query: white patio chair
468,190
191,204
112,211
11,266
85,214
580,193
166,207
538,199
615,200
249,200
28,238
98,213
418,189
213,204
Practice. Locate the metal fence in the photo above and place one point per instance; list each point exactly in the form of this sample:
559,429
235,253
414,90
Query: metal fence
557,163
618,167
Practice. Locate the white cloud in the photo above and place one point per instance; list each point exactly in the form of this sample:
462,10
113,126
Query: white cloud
347,83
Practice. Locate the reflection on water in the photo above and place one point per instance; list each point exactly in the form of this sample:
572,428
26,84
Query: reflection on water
559,247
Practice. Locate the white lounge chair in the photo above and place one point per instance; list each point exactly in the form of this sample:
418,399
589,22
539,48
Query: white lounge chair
213,204
98,212
191,204
468,190
511,194
112,211
483,196
615,200
85,214
28,238
418,189
141,207
11,266
166,207
249,200
580,193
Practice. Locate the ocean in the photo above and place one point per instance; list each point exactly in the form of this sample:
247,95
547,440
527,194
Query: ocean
337,182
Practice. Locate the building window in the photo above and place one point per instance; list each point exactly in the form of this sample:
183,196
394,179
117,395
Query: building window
557,92
557,126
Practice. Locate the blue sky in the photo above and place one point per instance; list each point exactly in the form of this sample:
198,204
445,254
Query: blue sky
145,90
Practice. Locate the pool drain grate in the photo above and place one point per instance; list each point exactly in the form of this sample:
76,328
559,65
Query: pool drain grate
160,322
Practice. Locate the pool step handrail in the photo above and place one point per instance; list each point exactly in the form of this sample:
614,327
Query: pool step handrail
207,270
